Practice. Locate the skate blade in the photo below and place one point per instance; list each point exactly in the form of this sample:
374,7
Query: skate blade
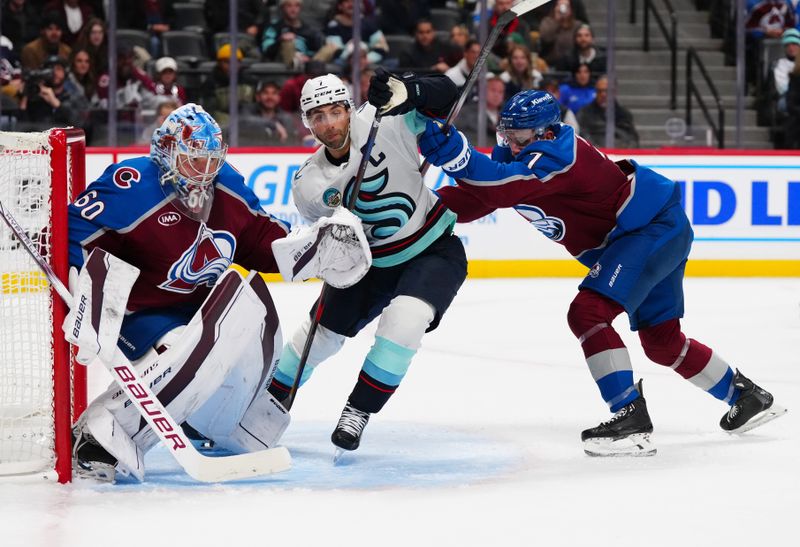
775,411
339,456
631,446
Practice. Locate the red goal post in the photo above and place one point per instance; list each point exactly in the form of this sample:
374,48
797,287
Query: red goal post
41,392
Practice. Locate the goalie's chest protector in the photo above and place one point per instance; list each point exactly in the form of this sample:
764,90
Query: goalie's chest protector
400,215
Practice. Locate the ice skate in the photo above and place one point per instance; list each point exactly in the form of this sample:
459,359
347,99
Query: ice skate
754,407
90,460
627,433
347,435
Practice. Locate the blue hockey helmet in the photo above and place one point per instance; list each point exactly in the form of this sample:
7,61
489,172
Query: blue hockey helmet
189,150
532,110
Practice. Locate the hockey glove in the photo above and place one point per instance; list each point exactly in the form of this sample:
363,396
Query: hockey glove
450,151
393,96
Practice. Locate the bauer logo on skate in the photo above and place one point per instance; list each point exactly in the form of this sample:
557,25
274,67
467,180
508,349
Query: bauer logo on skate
208,257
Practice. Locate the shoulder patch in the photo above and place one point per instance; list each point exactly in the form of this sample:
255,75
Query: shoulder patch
124,177
332,197
169,219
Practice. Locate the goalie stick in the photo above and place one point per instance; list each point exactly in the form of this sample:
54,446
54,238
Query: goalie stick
503,21
200,467
351,204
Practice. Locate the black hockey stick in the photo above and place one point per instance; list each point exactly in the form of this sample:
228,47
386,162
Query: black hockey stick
351,204
198,466
502,22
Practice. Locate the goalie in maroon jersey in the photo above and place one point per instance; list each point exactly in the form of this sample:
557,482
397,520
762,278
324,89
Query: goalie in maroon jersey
626,224
206,339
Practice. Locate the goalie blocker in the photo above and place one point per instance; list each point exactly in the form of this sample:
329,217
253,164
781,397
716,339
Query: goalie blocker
214,373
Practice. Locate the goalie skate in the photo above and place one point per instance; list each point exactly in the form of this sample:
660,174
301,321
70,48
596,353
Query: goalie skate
625,434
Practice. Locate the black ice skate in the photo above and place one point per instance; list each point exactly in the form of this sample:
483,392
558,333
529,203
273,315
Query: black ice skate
626,434
90,460
753,408
347,434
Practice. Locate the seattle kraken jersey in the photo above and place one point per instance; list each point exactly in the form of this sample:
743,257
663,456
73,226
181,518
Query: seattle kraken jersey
401,216
126,213
567,189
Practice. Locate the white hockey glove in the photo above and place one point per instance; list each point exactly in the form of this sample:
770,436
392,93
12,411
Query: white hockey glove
100,295
334,249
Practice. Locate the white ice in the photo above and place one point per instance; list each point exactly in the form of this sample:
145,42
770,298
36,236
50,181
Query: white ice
480,446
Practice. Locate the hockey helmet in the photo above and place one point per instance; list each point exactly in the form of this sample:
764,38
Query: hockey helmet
528,113
321,91
189,150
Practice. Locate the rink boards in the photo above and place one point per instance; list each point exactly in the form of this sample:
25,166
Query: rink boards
744,209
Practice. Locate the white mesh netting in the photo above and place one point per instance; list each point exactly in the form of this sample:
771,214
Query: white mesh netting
26,352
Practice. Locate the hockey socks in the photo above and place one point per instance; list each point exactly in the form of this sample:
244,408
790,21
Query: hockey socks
383,370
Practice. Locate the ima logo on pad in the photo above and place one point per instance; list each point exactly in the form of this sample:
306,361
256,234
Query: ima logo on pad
202,263
169,219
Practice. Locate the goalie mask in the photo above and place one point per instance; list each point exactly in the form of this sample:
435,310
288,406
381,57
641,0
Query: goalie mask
189,150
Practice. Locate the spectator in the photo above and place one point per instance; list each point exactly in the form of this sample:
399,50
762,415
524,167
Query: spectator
520,73
427,52
764,19
216,88
82,77
579,91
592,118
163,110
584,52
460,72
21,20
516,32
495,99
557,32
290,92
167,81
153,16
792,123
250,15
134,87
93,38
782,68
339,35
400,16
552,85
12,86
47,45
459,36
48,102
262,122
75,13
288,39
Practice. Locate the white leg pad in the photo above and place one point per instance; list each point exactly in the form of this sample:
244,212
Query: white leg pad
110,434
261,427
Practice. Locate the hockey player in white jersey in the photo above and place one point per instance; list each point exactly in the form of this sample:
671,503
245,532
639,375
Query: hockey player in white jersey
418,264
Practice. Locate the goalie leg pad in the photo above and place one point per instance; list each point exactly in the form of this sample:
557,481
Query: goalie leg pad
106,431
261,427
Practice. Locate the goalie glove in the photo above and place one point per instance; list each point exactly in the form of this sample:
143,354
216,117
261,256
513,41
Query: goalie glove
334,249
100,295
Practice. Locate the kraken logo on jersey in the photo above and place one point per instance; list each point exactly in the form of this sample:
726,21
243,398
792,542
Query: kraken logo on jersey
202,263
551,227
382,214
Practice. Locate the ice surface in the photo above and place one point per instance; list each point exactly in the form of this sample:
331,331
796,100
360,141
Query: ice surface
481,444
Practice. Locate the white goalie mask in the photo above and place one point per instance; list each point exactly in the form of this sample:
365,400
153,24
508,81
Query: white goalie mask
189,150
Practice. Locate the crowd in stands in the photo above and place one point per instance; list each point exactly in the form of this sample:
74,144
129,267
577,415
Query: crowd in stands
55,68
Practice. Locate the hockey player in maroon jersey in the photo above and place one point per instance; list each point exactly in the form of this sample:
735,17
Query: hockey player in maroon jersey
626,224
205,338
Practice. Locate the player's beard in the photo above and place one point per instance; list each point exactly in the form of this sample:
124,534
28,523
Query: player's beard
335,140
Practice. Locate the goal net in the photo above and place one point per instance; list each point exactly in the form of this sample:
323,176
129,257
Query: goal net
39,394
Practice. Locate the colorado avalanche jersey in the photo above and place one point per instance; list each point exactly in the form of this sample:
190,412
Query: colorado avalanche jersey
400,215
127,213
567,189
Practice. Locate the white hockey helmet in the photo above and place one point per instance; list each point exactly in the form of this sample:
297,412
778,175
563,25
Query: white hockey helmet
322,90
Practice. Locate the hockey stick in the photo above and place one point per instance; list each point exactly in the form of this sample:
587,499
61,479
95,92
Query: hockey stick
200,467
502,22
351,204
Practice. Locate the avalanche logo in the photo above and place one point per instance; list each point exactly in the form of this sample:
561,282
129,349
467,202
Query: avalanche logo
203,262
551,227
124,176
383,215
